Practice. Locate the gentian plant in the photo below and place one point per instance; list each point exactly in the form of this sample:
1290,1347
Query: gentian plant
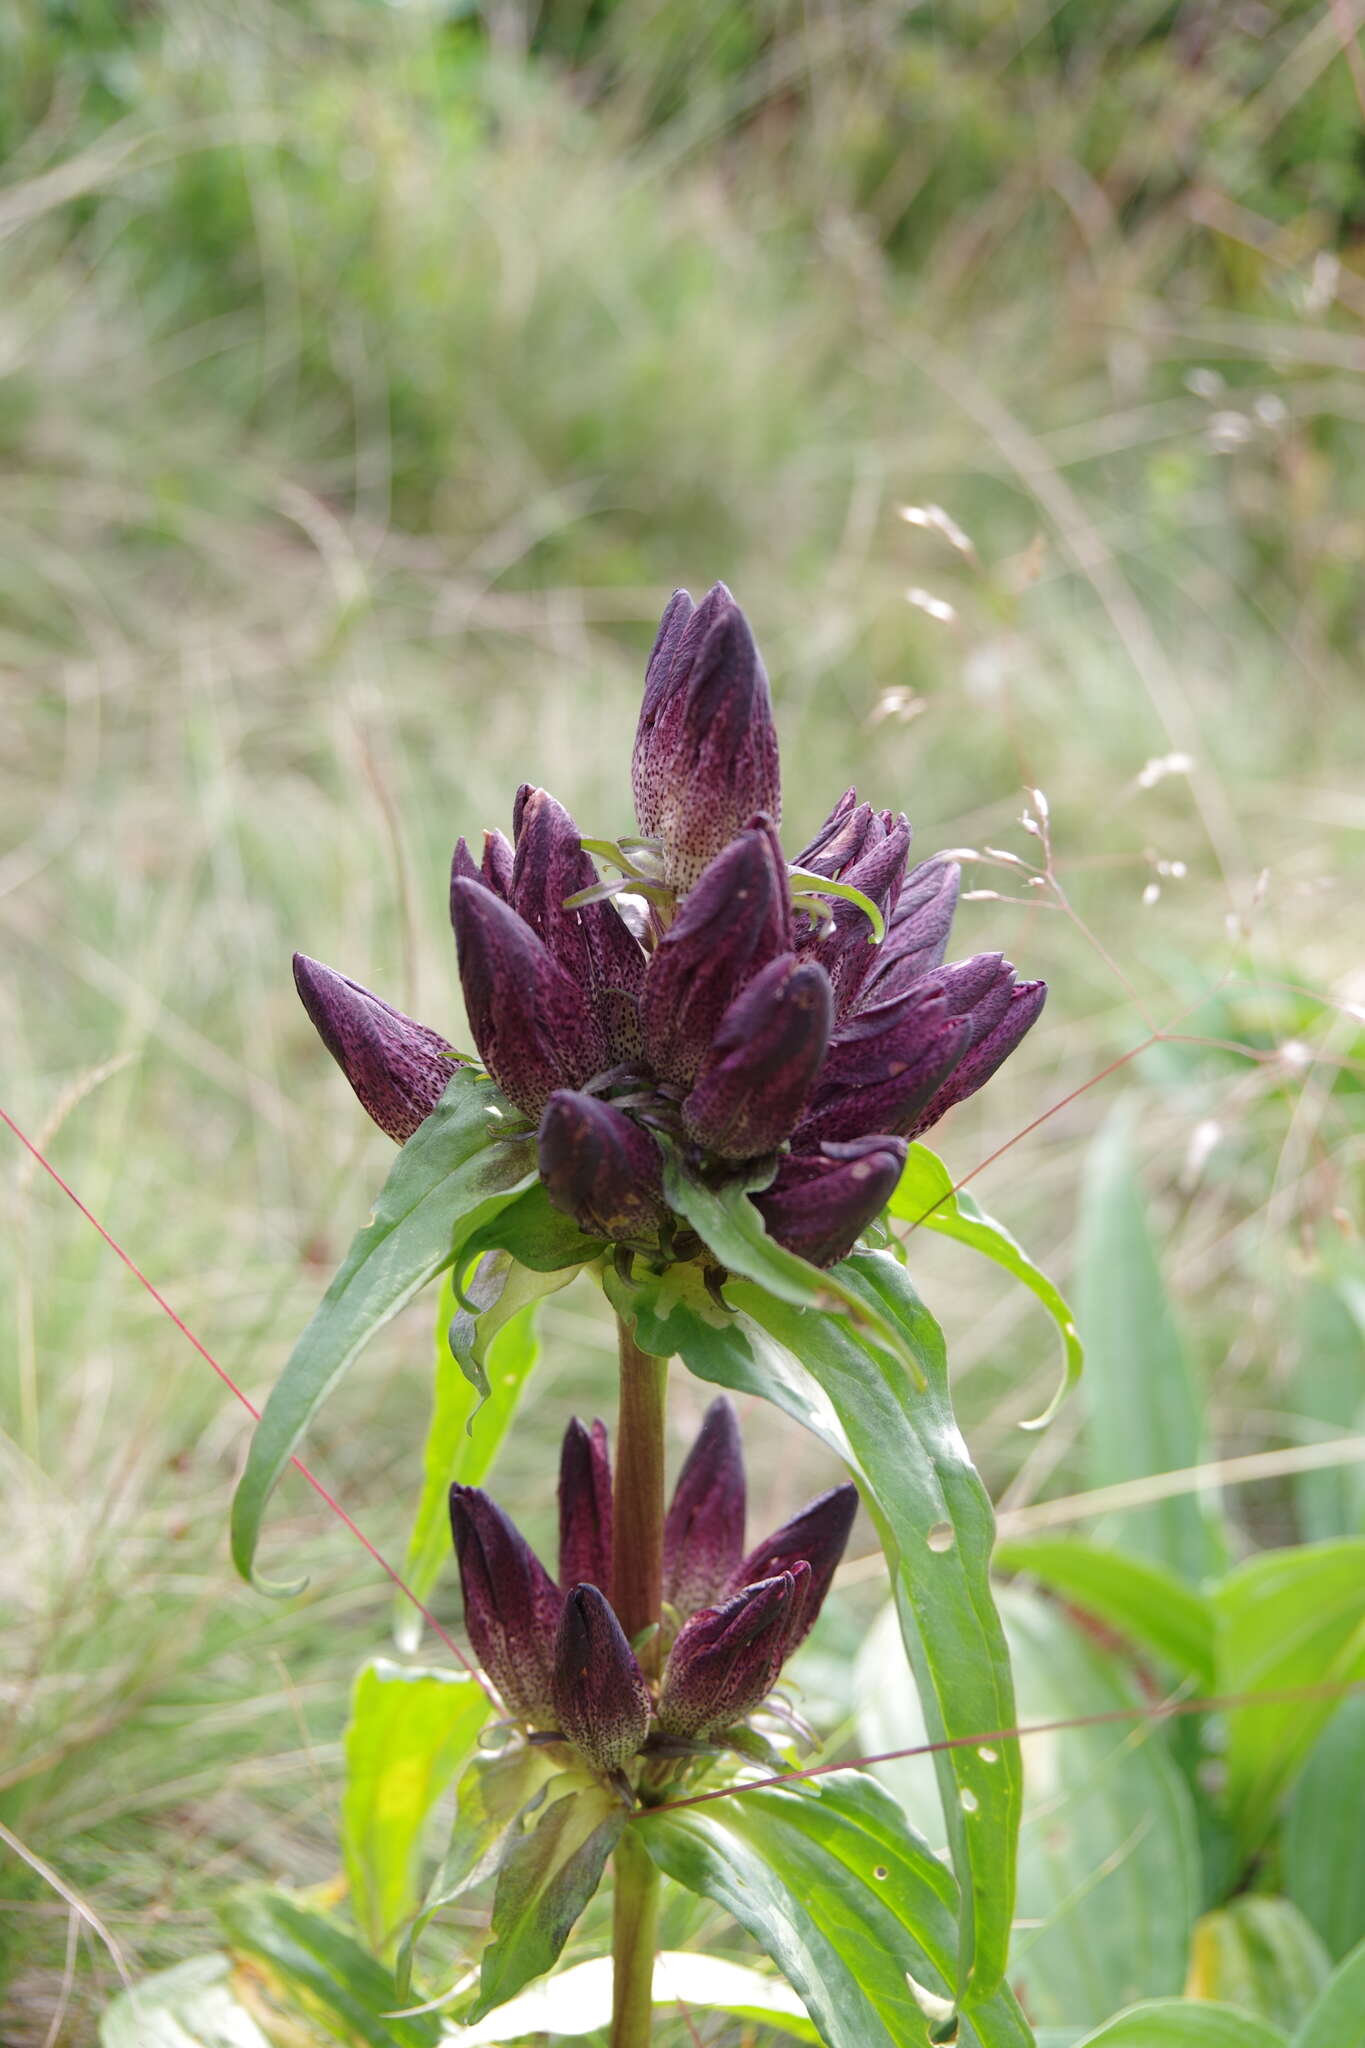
699,1076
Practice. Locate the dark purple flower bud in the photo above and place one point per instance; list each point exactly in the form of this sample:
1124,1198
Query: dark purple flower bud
704,1528
840,839
885,1064
818,1535
530,1019
763,1061
584,1506
917,937
974,1069
846,949
398,1068
591,943
601,1700
823,1200
706,748
736,919
496,870
599,1167
728,1659
511,1604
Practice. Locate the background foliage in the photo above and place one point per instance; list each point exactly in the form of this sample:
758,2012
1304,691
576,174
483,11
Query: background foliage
368,376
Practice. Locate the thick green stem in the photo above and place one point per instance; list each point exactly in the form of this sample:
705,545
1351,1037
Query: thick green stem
638,1508
635,1921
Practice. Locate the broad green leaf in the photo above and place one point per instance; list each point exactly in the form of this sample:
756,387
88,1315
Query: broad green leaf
1142,1407
1185,2023
545,1879
1337,2018
925,1199
494,1789
578,2001
936,1524
1108,1861
466,1430
191,2005
727,1221
1260,1955
839,1892
1287,1618
315,1964
1327,1389
536,1234
1149,1606
452,1174
1324,1867
408,1735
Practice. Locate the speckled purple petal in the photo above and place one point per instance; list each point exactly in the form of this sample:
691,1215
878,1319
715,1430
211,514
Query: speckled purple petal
511,1604
818,1536
1026,1000
706,747
601,1168
823,1200
840,840
846,949
601,1700
530,1019
398,1068
584,1506
884,1065
495,871
704,1528
726,1660
762,1064
735,920
591,943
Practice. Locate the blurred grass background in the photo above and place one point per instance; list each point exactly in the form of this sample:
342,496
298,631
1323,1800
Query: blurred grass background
369,374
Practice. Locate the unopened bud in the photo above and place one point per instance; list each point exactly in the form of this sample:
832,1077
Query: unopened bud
601,1700
763,1061
584,1506
599,1167
726,1660
511,1604
398,1068
704,1528
530,1019
824,1199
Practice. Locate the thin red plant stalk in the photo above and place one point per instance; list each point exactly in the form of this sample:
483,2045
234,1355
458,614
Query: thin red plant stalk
1164,1710
188,1334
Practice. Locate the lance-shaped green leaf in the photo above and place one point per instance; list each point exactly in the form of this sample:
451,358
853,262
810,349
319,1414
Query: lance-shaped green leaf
408,1735
728,1223
1287,1618
926,1200
321,1968
851,1905
934,1518
452,1174
1185,2023
1324,1871
1143,1413
1152,1608
493,1791
467,1429
545,1879
1338,2007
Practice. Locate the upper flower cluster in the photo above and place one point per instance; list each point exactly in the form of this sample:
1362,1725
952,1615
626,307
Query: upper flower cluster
713,994
557,1652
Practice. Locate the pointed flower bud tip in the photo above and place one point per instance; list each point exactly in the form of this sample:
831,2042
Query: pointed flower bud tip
735,921
884,1064
530,1019
706,747
762,1063
599,1167
818,1537
704,1527
584,1506
511,1605
990,1051
823,1200
726,1660
601,1699
398,1068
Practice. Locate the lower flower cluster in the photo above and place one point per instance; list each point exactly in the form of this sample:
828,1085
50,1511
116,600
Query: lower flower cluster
556,1651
